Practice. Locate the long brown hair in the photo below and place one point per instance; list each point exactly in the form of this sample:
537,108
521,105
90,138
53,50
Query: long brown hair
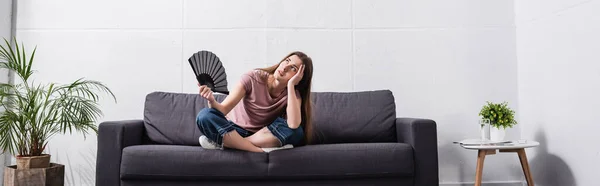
303,87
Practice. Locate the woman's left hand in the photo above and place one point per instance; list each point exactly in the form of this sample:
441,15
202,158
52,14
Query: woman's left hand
297,77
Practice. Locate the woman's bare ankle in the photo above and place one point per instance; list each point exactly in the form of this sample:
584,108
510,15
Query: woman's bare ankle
234,140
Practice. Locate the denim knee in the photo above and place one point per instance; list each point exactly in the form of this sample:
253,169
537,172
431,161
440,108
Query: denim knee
213,124
286,135
204,117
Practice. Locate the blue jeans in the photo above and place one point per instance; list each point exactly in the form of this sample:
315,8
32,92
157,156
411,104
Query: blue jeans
213,124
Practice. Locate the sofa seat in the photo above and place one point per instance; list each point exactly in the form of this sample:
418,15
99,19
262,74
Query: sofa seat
352,160
174,162
349,160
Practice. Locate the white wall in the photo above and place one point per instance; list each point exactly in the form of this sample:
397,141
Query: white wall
5,32
441,59
559,73
5,21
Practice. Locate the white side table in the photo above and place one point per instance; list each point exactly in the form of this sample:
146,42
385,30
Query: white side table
485,148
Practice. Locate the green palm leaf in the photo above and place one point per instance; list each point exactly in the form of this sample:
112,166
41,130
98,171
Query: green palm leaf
31,114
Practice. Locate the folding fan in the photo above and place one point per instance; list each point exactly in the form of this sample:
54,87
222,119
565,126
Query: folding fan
209,71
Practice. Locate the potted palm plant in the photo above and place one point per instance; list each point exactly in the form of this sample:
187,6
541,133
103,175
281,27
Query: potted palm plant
32,113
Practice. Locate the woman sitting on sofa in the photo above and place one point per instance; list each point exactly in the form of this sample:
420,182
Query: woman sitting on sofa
269,109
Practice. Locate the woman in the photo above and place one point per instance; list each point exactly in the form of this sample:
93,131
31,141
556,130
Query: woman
269,109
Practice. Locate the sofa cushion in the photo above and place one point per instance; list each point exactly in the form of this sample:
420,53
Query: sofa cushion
343,160
354,117
170,118
189,163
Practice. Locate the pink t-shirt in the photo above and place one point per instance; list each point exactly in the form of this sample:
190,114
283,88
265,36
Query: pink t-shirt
257,109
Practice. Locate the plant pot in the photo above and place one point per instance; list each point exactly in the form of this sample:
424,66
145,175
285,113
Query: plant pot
497,134
54,175
31,162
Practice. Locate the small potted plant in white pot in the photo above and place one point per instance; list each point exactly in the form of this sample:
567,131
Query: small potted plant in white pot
32,113
500,116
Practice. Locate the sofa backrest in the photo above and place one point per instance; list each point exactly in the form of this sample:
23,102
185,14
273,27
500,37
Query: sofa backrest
354,117
170,118
338,117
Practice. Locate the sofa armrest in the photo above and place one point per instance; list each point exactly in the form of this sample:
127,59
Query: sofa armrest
421,134
113,136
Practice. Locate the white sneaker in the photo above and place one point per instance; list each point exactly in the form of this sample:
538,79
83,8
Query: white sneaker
207,143
269,149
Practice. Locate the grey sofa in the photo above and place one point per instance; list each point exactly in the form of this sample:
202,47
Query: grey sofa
358,141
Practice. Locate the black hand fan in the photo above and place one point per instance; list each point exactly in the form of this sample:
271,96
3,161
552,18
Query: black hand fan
209,71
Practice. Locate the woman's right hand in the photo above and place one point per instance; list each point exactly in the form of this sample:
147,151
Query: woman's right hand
206,93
